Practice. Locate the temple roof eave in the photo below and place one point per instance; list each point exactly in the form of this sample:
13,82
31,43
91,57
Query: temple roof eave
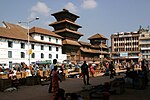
93,51
84,43
70,42
68,30
63,21
97,36
64,10
103,46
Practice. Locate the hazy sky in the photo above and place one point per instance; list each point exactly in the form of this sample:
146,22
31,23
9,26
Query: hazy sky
96,16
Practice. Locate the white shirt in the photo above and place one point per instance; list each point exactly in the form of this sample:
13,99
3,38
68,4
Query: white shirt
52,67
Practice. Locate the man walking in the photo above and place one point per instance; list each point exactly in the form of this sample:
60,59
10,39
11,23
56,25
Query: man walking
85,73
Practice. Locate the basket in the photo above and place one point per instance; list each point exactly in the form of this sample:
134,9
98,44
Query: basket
4,76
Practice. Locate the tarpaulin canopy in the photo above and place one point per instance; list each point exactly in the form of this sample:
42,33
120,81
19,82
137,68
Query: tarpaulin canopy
44,62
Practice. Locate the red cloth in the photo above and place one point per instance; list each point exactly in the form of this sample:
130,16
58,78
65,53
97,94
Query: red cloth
55,84
92,69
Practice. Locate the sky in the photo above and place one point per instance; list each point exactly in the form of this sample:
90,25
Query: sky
105,17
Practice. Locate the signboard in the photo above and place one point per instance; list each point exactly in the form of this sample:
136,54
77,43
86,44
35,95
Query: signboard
124,54
44,62
30,51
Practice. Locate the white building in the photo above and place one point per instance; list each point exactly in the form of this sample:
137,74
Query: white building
44,45
144,43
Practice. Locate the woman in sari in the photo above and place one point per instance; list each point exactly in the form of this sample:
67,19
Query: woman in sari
55,83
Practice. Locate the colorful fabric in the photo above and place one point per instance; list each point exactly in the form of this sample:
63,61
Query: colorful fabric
55,84
92,69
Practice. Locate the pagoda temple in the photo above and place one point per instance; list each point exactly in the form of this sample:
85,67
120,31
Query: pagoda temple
96,50
99,43
66,27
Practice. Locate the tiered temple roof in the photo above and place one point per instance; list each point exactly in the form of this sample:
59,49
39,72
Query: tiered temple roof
97,36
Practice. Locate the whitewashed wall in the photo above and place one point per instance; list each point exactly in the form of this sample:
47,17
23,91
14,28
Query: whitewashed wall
16,50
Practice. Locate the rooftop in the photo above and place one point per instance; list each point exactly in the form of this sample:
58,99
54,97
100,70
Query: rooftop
64,11
97,36
44,31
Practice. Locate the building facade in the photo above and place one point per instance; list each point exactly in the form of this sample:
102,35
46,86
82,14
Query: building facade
14,48
144,43
125,46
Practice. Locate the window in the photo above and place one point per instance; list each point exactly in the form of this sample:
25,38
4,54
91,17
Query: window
32,46
10,44
10,64
9,54
50,48
22,45
50,56
42,55
22,55
57,56
33,55
42,37
42,47
57,49
56,40
142,35
49,39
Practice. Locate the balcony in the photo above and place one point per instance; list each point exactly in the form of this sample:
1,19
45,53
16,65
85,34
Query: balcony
133,57
145,42
115,57
146,54
145,48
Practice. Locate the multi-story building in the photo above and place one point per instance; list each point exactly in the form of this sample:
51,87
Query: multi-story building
125,46
51,44
66,27
144,43
14,48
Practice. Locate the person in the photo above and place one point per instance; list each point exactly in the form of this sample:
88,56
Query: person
85,73
60,95
55,83
51,70
107,69
15,81
145,70
132,65
91,70
62,74
112,70
143,67
73,96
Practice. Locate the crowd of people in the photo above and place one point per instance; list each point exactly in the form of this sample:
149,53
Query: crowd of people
87,69
57,92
